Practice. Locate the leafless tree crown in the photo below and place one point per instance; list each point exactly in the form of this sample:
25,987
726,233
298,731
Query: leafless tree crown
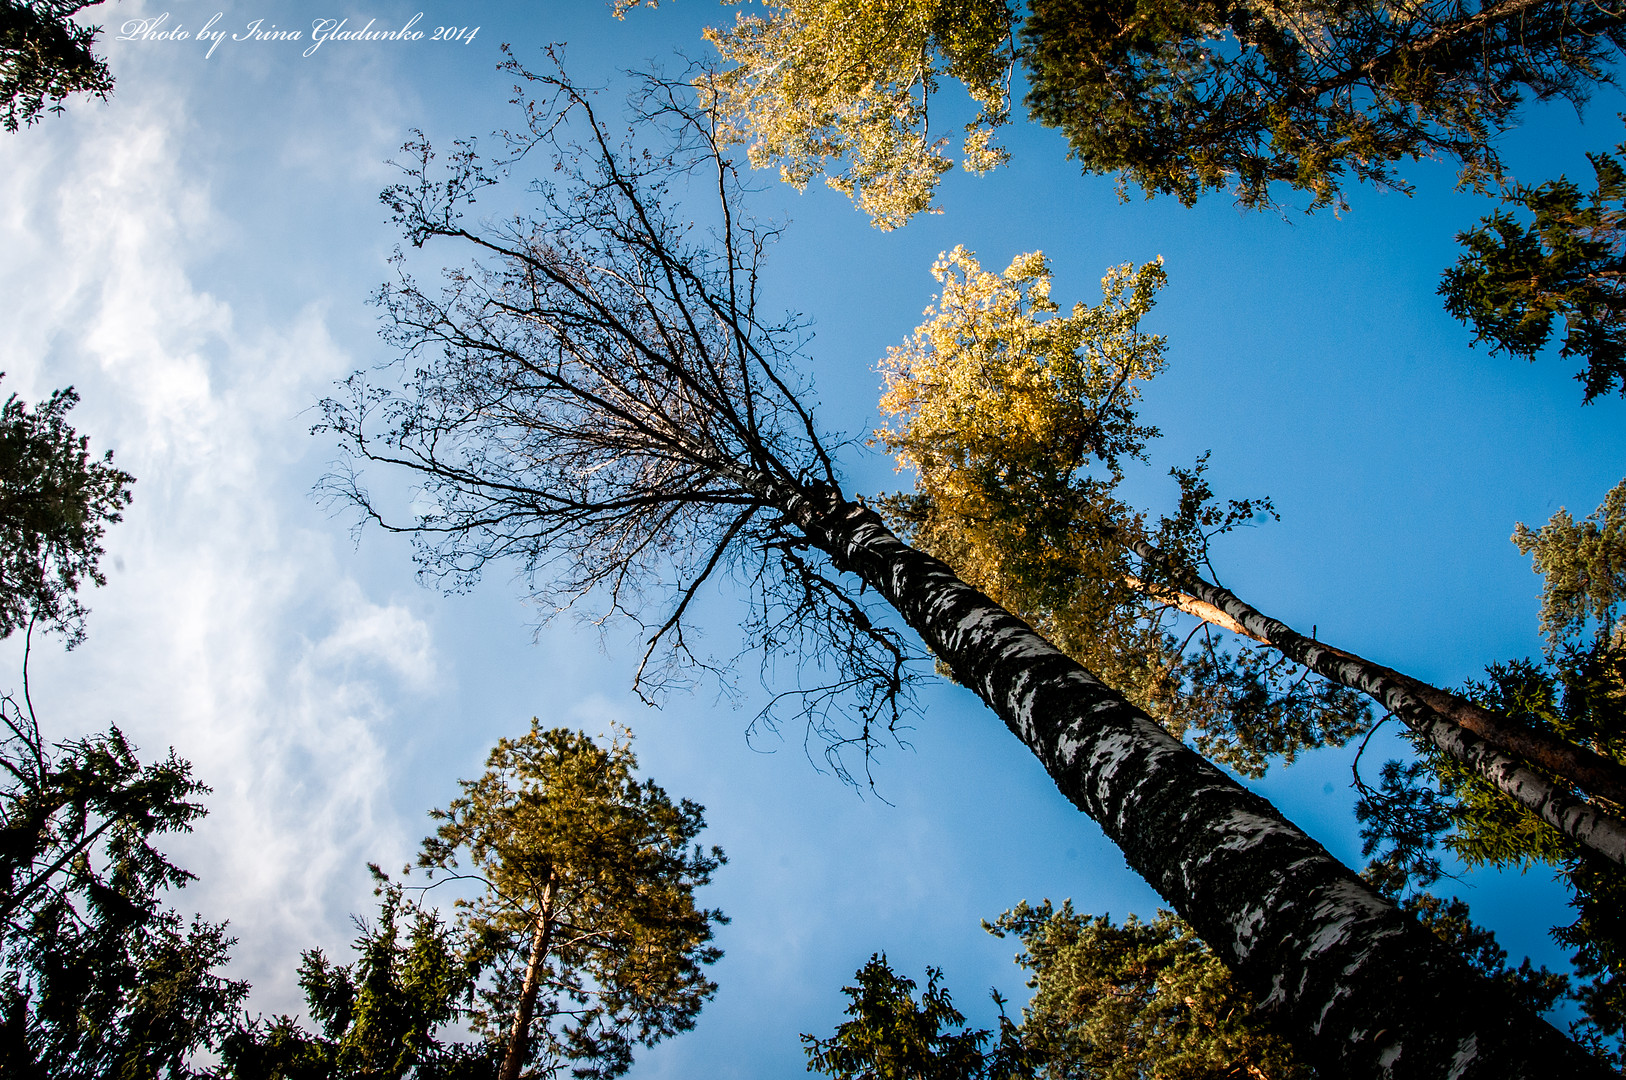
594,398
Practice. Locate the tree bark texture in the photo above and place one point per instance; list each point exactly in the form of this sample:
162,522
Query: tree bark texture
1362,989
519,1036
1489,744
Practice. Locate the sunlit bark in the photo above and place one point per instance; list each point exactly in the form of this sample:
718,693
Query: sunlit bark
1489,744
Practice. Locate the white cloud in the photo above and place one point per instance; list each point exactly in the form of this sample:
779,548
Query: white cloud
231,628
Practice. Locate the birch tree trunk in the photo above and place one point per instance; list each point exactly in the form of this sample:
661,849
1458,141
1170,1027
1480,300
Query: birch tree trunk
1362,989
519,1035
1473,735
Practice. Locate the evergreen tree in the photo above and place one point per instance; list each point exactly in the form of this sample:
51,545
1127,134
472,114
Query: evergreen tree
1141,999
44,57
1018,421
587,924
98,978
1577,692
1514,278
1182,97
1110,1002
56,501
891,1036
380,1016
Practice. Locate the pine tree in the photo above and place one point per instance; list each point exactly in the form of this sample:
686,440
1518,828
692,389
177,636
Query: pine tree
891,1036
1112,1001
1515,278
56,502
1018,422
98,977
1183,97
1576,692
381,1015
587,923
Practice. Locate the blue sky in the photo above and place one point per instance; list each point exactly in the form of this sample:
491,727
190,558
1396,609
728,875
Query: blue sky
196,256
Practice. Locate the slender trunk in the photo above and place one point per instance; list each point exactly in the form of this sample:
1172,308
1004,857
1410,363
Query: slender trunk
1361,988
1208,613
519,1035
1489,744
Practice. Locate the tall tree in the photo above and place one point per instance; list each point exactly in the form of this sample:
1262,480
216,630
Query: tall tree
98,977
1017,421
1110,1002
1178,96
1582,565
1137,999
56,501
44,57
603,404
1186,97
1567,262
587,918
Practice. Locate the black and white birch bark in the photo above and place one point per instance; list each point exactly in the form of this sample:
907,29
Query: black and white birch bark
1492,746
1361,988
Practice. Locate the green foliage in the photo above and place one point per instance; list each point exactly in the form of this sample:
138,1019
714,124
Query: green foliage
891,1036
1111,1001
1183,96
1515,278
1578,694
1178,96
1583,569
587,924
1433,801
1598,936
97,977
1144,999
1018,422
55,503
44,57
378,1015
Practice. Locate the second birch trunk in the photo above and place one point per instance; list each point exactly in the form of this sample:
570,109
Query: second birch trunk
1490,745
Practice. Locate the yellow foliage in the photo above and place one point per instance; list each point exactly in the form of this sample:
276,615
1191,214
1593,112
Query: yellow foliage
844,88
1017,419
1014,418
986,383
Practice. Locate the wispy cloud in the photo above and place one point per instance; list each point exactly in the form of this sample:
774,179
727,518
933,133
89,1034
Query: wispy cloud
232,627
